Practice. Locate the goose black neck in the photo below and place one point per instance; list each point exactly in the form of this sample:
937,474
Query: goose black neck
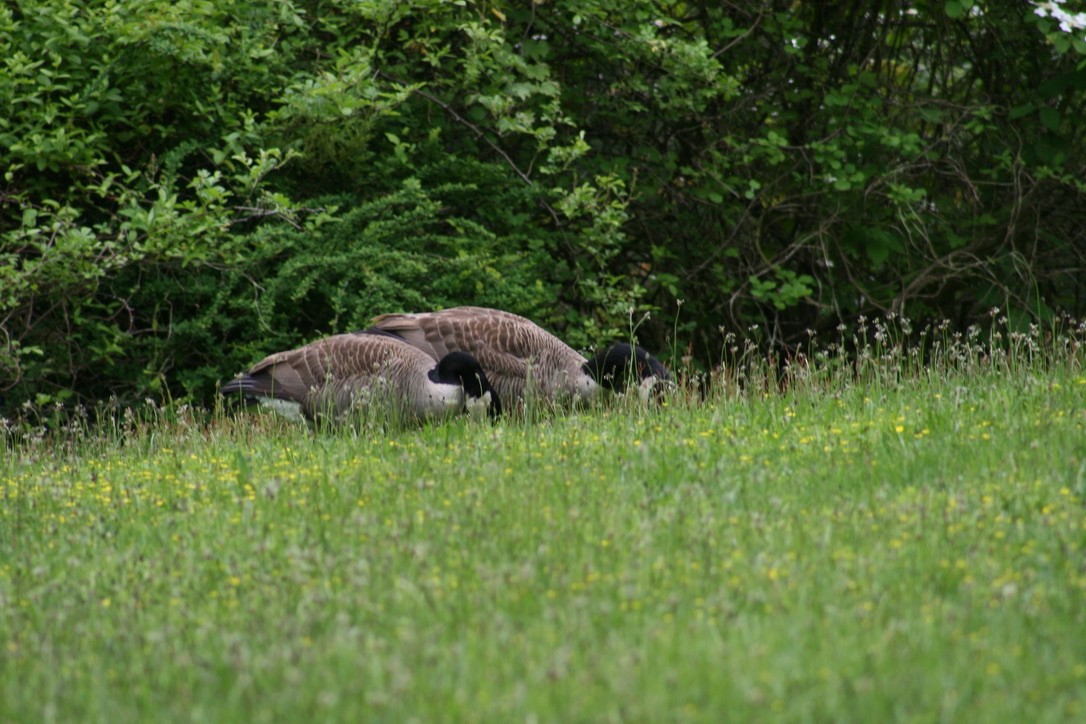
461,368
619,364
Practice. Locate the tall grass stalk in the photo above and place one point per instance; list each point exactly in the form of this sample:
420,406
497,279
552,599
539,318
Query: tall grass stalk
889,525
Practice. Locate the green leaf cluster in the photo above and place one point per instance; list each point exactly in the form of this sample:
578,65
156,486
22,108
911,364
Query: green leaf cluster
189,185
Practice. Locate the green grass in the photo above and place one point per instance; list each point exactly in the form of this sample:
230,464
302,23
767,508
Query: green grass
903,549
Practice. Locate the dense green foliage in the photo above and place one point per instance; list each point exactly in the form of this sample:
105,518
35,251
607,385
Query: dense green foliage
187,185
909,548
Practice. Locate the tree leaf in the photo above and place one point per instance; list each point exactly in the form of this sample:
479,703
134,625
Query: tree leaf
1050,118
1023,110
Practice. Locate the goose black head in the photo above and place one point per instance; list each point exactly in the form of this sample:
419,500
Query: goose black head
618,366
461,368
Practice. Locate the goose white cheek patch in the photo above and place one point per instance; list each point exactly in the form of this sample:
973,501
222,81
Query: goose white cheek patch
584,386
645,388
446,399
478,406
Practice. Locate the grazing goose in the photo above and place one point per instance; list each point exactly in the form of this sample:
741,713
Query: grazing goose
513,350
338,373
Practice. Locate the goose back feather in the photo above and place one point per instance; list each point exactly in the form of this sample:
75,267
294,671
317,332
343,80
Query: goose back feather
517,354
336,374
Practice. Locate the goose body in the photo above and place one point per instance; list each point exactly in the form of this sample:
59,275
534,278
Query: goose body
518,354
337,374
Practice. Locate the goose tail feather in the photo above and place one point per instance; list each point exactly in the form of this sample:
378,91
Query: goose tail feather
242,388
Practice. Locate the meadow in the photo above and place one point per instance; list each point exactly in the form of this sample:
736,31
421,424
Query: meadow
898,534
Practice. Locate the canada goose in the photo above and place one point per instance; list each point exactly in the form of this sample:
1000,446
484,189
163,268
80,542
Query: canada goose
335,374
513,349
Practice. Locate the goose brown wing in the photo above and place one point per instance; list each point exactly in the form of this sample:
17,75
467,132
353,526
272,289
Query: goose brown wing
419,331
329,374
519,350
509,347
507,373
495,338
284,375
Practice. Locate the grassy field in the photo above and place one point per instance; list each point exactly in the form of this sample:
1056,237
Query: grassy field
903,547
